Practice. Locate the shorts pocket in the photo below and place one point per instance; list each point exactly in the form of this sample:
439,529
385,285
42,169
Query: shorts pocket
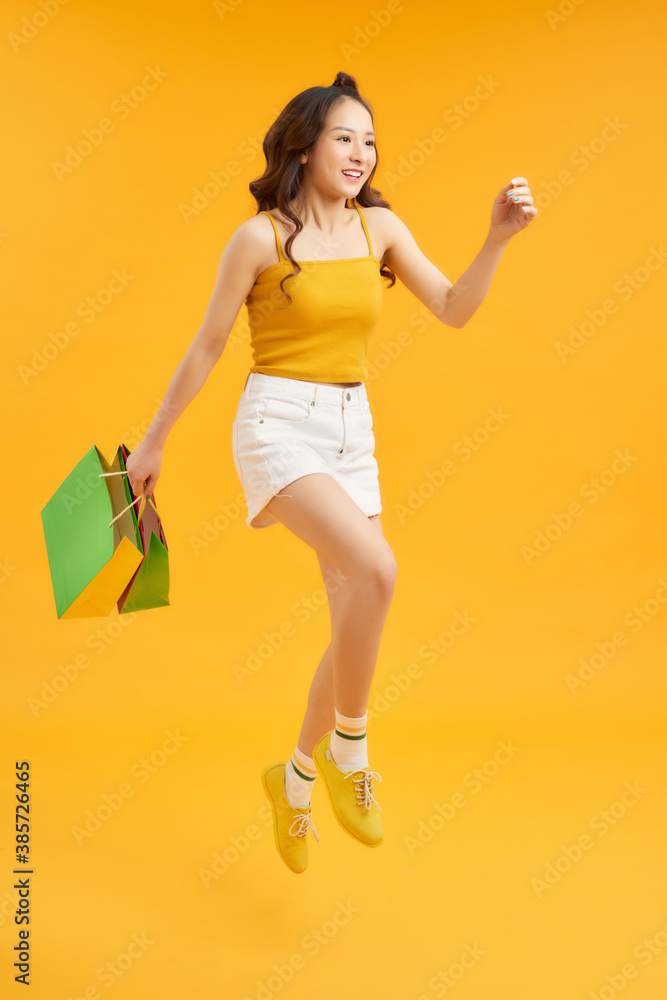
289,408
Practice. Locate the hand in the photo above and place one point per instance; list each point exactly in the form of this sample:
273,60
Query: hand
508,216
143,467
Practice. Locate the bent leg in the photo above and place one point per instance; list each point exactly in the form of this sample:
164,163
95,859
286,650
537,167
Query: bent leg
322,514
320,712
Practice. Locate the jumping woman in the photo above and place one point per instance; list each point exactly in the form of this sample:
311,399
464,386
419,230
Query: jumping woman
309,267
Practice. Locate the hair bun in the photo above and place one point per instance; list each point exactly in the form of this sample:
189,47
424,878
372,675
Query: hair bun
345,80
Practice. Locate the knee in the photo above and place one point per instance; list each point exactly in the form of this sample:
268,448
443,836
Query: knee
381,575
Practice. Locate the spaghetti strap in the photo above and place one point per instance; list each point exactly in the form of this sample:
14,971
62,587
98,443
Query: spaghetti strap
363,222
275,229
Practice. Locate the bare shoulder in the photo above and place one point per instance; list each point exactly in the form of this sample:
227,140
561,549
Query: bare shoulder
385,220
255,230
385,229
254,239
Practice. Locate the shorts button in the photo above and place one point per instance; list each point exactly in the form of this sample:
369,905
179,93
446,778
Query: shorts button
261,420
348,396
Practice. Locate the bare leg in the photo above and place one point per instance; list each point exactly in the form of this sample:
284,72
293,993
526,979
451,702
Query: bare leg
320,716
320,713
322,514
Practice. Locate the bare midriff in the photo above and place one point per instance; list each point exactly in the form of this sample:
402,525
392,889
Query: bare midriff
338,385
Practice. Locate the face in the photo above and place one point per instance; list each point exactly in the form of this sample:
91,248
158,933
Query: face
346,143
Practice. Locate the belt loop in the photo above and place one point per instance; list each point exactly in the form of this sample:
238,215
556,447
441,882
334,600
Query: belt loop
342,410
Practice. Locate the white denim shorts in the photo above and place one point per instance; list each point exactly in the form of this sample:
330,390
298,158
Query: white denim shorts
286,428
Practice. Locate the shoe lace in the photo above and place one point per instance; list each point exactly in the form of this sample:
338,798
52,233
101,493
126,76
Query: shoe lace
363,786
302,821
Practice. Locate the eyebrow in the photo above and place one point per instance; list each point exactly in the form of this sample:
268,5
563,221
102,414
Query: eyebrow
346,128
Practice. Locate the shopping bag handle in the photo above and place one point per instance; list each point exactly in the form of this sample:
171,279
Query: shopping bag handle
142,496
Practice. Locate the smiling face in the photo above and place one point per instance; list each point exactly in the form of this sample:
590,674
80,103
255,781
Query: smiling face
346,144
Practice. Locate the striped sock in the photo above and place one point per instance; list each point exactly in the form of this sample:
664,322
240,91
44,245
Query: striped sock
348,742
300,773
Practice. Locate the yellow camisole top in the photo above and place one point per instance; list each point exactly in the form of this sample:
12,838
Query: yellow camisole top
323,334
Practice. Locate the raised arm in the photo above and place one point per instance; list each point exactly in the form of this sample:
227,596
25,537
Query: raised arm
454,303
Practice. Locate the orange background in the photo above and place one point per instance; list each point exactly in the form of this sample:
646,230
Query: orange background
183,864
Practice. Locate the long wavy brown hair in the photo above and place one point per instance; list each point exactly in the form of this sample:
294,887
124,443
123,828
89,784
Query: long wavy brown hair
295,131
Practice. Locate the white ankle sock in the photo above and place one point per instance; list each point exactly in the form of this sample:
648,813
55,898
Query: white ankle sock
348,742
300,773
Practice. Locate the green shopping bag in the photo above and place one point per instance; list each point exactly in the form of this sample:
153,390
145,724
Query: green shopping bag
98,552
149,587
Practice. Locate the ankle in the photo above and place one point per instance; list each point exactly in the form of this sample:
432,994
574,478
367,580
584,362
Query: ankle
348,742
300,774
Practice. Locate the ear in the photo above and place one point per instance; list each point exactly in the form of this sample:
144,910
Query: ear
303,158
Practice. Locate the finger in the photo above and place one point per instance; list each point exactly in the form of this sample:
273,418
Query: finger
518,186
521,199
138,487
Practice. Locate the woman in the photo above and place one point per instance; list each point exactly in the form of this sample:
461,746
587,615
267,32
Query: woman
309,266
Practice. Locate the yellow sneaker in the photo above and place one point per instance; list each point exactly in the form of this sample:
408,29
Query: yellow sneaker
351,796
290,823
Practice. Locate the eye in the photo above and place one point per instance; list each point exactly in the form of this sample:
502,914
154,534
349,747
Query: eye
347,137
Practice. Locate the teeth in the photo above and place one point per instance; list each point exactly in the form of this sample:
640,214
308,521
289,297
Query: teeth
352,173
